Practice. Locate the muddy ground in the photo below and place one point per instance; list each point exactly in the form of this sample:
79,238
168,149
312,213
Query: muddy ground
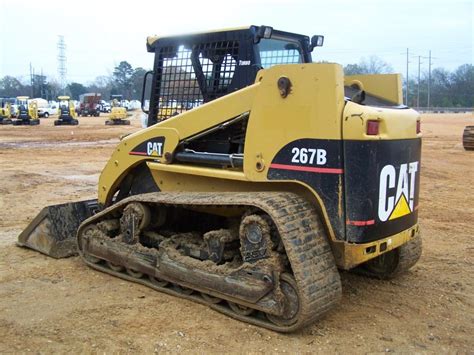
49,305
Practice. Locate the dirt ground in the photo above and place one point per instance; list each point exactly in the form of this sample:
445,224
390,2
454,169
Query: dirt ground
49,305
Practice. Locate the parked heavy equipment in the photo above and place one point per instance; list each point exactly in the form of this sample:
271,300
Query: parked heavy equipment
118,114
27,112
279,173
468,138
5,112
169,109
66,112
89,105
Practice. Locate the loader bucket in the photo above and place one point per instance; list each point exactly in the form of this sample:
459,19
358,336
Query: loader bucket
53,230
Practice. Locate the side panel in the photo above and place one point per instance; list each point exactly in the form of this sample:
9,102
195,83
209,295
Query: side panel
382,181
317,163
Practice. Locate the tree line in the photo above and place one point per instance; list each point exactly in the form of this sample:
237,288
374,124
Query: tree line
125,80
447,88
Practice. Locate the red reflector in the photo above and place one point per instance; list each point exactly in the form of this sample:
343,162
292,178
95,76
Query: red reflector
372,128
418,127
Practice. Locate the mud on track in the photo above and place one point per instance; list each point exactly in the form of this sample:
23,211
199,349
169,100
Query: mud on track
61,305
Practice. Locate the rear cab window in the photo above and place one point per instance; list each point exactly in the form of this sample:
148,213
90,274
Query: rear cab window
275,51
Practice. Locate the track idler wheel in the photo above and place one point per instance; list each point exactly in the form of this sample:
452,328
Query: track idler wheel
136,216
210,299
240,310
134,273
290,302
115,267
183,290
255,238
157,282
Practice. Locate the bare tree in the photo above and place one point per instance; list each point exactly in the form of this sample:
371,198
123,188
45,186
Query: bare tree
372,65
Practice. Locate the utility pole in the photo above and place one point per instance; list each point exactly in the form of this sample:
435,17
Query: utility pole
418,89
31,80
429,82
406,93
42,84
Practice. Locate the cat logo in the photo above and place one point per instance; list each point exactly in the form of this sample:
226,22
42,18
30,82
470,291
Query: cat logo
151,148
154,148
397,193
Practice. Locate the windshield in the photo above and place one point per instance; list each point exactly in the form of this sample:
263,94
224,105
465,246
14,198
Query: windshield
279,51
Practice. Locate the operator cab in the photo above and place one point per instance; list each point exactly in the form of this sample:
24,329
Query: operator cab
23,107
116,100
190,70
63,105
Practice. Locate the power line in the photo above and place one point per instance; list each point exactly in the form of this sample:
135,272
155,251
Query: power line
394,50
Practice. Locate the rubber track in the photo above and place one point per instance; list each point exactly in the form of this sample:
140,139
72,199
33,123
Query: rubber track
303,236
408,256
468,138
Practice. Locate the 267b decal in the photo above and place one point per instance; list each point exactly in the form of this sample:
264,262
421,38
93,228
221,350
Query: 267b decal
309,156
397,190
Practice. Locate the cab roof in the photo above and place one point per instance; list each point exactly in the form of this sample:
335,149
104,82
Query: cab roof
152,40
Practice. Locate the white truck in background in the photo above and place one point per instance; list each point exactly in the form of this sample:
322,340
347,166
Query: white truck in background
45,109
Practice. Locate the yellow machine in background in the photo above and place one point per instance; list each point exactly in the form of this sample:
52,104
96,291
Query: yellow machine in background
27,112
279,172
66,112
169,109
5,112
118,114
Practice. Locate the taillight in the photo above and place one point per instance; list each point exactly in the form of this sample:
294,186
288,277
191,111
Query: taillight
372,128
418,126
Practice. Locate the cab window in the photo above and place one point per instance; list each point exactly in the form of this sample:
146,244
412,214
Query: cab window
277,51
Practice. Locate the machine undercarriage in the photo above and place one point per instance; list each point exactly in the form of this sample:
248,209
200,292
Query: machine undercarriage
223,250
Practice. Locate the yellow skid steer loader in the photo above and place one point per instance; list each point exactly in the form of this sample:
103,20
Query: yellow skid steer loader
278,172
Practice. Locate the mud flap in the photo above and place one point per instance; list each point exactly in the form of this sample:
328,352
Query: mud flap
53,230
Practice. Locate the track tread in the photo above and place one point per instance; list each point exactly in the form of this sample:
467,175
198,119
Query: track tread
468,138
408,255
307,248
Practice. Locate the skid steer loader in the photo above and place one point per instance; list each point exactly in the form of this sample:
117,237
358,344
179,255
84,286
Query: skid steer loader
67,112
279,172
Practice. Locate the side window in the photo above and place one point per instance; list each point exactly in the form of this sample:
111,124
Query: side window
179,89
276,51
219,74
192,75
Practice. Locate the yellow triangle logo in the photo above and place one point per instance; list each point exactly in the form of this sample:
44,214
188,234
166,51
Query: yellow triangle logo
401,209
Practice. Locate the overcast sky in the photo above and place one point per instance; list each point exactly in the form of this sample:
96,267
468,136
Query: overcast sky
100,34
